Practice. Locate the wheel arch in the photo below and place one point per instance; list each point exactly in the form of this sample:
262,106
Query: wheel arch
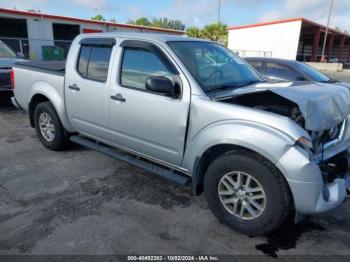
43,91
36,99
202,163
217,139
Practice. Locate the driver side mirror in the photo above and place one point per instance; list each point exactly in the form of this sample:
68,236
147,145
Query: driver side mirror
161,85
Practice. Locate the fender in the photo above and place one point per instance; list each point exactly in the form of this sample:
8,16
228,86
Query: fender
56,99
262,139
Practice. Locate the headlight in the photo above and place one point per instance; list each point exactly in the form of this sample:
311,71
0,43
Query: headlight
306,144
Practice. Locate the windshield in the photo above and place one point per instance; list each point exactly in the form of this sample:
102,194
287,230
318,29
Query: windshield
214,66
312,73
6,52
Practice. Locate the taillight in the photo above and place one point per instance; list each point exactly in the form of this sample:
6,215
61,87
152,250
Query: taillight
12,78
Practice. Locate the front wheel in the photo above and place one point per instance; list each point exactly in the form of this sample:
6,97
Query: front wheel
247,193
49,127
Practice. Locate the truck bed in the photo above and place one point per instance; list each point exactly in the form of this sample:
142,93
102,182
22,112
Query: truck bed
57,67
47,77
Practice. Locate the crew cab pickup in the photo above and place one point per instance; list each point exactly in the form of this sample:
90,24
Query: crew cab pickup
192,111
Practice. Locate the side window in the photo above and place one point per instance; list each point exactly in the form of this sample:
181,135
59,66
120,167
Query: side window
278,71
138,65
83,60
258,66
94,62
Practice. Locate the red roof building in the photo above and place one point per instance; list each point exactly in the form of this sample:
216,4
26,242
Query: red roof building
27,32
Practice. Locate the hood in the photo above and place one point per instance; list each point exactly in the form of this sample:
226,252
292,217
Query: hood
344,84
322,106
9,62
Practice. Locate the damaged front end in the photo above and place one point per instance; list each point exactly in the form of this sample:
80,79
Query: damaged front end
320,110
318,163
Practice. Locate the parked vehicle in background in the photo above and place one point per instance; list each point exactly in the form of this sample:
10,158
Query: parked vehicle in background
189,109
274,69
346,64
7,59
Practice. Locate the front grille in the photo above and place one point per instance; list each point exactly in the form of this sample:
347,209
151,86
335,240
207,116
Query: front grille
5,80
333,133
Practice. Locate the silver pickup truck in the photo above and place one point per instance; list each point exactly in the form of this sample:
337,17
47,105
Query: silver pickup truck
190,110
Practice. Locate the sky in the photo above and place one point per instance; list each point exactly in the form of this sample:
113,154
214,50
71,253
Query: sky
194,12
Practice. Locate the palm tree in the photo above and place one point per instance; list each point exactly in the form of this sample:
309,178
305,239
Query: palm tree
216,32
194,32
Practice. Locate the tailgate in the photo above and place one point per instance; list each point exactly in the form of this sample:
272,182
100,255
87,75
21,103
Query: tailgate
5,81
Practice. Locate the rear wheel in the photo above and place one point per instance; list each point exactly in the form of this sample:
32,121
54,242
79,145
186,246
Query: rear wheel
49,127
247,193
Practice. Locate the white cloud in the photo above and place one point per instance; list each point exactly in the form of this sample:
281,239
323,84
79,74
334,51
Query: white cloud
24,5
92,4
192,12
97,5
201,12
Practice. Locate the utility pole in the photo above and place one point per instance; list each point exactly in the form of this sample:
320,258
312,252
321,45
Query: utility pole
327,28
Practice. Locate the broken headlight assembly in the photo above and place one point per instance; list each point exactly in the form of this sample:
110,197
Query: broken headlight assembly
306,144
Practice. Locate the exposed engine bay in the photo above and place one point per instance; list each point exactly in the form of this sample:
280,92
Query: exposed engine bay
322,107
270,102
274,103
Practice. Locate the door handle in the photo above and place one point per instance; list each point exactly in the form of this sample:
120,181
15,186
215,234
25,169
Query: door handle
74,87
118,97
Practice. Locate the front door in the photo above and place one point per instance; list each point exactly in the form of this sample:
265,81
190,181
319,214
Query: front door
146,122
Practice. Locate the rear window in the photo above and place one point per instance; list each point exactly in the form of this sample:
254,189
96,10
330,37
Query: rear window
93,62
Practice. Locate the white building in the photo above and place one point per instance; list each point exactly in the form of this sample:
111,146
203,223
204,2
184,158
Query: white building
296,38
27,32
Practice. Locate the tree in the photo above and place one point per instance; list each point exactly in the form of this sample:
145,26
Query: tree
158,22
113,20
34,11
194,32
168,23
143,21
216,32
98,18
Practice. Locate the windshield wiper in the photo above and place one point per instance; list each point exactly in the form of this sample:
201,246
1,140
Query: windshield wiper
235,85
330,81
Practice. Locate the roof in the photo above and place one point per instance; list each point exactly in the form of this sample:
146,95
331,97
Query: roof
89,21
303,20
146,36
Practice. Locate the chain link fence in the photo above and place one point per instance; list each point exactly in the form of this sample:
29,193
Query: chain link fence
252,53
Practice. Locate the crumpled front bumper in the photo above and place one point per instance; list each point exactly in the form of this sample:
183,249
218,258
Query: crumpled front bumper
310,194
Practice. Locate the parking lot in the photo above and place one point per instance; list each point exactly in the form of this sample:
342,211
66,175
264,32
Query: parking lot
81,202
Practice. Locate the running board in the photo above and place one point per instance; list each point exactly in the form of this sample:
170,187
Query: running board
131,159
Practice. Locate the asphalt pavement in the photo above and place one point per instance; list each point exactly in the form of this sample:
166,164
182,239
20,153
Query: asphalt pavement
82,202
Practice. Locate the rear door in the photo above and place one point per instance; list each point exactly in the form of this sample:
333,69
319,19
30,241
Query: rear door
148,123
87,83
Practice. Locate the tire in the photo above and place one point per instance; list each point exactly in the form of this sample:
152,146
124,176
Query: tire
57,140
273,201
